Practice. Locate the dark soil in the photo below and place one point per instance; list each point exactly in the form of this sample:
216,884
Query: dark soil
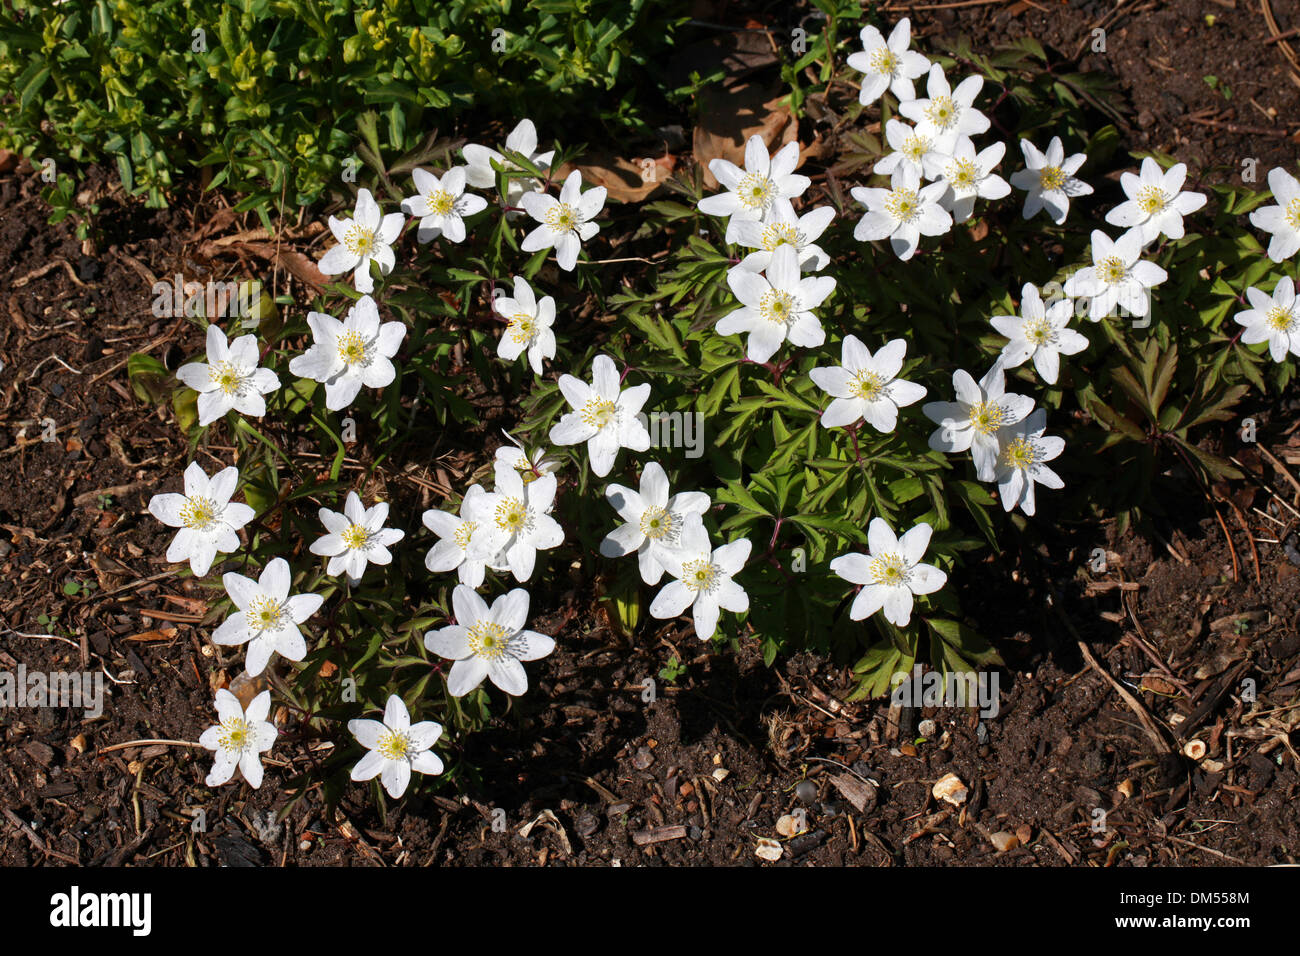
708,767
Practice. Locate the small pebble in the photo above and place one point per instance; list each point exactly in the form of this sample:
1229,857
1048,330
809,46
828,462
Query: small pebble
927,728
790,825
950,789
806,792
1004,841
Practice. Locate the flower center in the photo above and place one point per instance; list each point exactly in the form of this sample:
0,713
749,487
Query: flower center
701,575
264,614
356,537
987,417
359,240
352,348
228,378
916,146
1039,331
464,533
562,217
488,639
1151,199
942,111
777,305
963,173
236,735
1293,213
658,524
522,327
781,233
868,386
441,202
199,513
394,745
1112,269
903,204
513,516
889,569
1279,319
599,412
1019,453
1051,178
884,60
755,191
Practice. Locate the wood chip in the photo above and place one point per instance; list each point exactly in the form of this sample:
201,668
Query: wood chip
659,835
861,795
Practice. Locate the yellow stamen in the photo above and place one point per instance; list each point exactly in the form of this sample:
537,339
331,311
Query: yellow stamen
1051,178
489,640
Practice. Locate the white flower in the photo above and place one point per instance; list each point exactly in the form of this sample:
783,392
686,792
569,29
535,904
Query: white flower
515,521
1283,219
970,176
268,617
604,415
395,747
441,204
866,386
1273,319
205,515
766,183
349,354
239,737
523,140
923,151
1039,333
888,65
890,573
775,306
366,236
488,642
947,111
355,538
1118,276
529,466
781,227
1020,462
565,222
230,379
703,580
530,325
655,522
1049,179
457,538
1156,203
973,421
903,213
